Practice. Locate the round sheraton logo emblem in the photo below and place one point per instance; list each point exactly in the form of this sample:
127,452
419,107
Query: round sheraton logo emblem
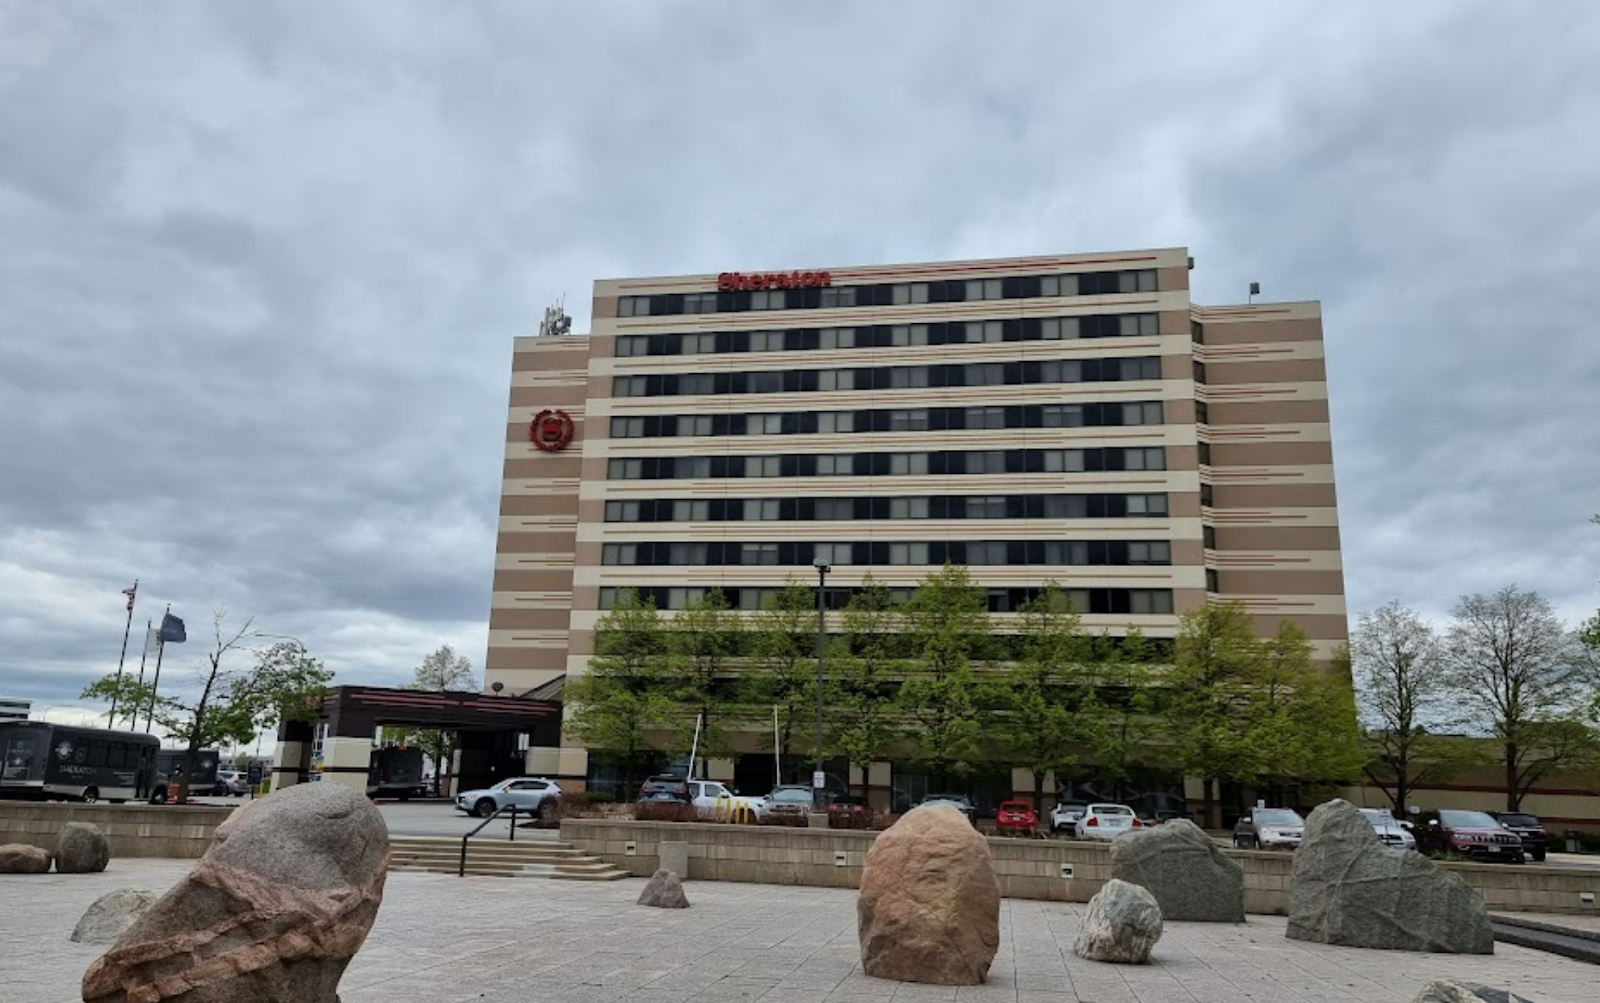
551,430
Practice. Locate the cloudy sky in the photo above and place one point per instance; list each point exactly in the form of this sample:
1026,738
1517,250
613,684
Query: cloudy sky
261,265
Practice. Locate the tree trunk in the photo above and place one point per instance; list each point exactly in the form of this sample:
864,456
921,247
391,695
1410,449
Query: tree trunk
1402,791
1513,795
1211,821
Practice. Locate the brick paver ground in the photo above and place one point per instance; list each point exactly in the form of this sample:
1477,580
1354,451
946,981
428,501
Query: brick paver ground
441,939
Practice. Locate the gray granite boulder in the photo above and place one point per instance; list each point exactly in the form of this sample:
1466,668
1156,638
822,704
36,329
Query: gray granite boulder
274,911
81,849
23,858
1189,876
1347,888
111,914
665,891
1121,925
1465,992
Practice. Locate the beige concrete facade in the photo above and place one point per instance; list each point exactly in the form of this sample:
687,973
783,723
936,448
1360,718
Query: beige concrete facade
1241,387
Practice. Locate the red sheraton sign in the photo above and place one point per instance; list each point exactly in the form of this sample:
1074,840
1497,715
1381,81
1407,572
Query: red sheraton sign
730,281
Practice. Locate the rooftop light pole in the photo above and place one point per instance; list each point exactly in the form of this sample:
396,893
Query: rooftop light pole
822,635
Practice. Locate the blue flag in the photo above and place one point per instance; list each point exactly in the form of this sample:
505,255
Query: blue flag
172,630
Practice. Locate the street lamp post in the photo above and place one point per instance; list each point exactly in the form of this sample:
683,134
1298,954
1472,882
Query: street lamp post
822,635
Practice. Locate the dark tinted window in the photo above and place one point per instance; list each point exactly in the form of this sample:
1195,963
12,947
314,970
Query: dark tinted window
1525,821
1467,820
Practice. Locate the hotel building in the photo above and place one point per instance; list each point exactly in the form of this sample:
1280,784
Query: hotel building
1071,417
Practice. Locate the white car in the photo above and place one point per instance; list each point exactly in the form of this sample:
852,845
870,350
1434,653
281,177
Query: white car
1064,816
1105,821
1390,832
524,792
711,798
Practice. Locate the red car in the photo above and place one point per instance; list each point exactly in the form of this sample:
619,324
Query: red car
850,812
1015,816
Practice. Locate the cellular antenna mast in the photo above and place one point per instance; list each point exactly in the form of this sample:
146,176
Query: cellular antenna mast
556,321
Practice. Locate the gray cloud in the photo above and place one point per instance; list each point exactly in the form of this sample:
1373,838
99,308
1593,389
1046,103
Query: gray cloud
261,266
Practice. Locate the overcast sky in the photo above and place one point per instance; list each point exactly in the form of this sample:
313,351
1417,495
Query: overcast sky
261,265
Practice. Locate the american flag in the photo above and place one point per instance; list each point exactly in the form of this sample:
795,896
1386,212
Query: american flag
130,593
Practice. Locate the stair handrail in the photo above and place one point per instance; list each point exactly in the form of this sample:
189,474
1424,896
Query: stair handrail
461,871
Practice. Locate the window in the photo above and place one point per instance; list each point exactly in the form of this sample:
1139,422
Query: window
691,466
766,341
1199,372
1058,285
908,508
1146,368
839,296
904,377
1149,458
758,553
1069,461
915,292
696,383
700,303
836,379
760,509
908,553
1066,506
830,465
1149,601
1149,552
1066,552
695,424
902,335
769,382
914,420
1146,505
984,417
625,470
1061,416
1207,497
1146,413
987,552
1202,414
1208,537
1061,371
835,554
97,753
633,306
1205,454
1138,325
1197,332
631,345
763,466
836,337
1211,581
985,332
908,463
691,511
986,507
1060,329
622,511
991,461
627,428
619,553
608,598
983,289
836,421
697,344
763,424
628,386
1136,282
753,599
985,374
770,299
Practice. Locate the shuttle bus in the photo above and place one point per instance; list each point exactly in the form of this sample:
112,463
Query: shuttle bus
40,760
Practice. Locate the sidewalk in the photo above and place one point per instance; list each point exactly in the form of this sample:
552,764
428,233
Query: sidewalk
441,939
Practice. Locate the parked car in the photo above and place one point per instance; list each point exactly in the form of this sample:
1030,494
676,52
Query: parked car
789,799
1064,816
1269,829
231,783
1534,839
709,796
1016,816
665,788
1106,821
960,802
1472,834
1390,832
532,793
850,811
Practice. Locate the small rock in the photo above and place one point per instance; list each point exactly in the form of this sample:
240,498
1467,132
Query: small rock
665,891
929,909
1179,864
111,914
22,858
1345,888
1121,925
82,849
1465,992
274,911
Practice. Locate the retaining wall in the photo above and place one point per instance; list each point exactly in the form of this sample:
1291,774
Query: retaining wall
182,831
1048,869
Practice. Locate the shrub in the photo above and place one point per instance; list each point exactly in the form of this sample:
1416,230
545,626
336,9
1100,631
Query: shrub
665,811
601,797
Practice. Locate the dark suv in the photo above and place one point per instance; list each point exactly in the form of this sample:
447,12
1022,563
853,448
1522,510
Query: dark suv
665,788
1534,838
1471,834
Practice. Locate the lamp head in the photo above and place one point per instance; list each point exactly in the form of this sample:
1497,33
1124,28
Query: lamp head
821,565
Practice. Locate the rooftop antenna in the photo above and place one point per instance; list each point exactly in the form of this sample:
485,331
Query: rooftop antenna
556,321
1255,290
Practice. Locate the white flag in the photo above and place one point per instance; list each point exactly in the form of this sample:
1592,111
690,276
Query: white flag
152,640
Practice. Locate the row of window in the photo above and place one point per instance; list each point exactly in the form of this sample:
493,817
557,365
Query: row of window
974,374
923,419
1094,601
974,461
1079,506
975,332
1087,553
891,294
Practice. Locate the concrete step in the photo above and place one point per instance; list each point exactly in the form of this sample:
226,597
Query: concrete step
1552,938
499,858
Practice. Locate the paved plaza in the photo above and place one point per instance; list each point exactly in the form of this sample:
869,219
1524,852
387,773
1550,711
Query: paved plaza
440,938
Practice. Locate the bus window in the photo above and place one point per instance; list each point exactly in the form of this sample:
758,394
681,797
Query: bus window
97,753
116,755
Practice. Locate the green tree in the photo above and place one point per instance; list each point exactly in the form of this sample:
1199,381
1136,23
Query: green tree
705,639
1214,663
1301,721
783,649
621,698
440,671
1517,671
232,705
865,678
947,628
1044,692
1121,705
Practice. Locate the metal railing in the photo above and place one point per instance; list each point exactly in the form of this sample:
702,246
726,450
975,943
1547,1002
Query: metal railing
461,871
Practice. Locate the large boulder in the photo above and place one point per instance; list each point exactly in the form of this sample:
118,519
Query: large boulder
81,849
664,891
111,914
274,911
1465,992
22,858
1121,924
929,909
1189,876
1347,888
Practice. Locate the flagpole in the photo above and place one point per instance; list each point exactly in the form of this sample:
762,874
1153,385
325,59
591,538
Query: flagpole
155,682
132,594
144,652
